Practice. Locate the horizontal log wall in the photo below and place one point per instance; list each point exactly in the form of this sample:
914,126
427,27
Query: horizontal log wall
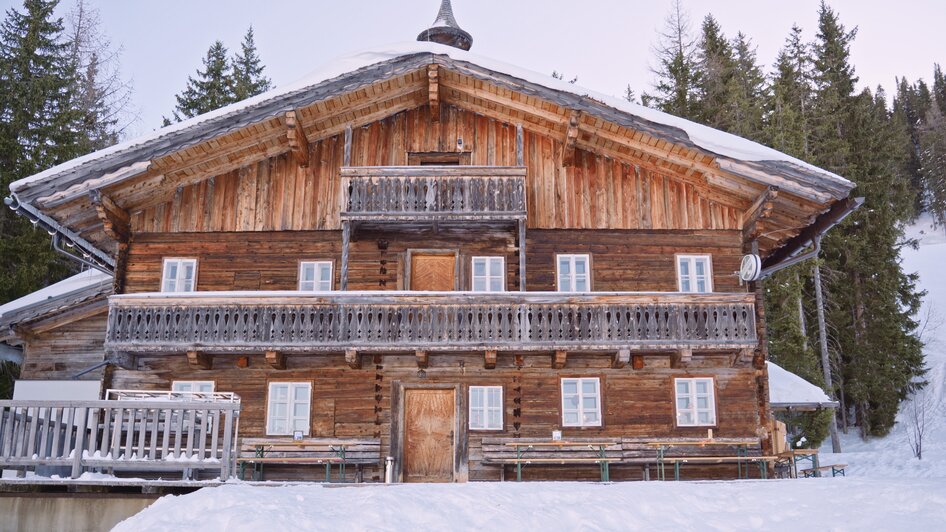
621,260
64,351
595,192
357,403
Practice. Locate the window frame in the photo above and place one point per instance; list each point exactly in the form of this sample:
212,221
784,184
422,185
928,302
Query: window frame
290,402
331,275
177,280
581,402
213,385
693,397
692,258
486,408
489,277
572,257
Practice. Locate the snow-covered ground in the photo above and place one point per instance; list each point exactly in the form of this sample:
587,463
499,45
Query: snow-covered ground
886,488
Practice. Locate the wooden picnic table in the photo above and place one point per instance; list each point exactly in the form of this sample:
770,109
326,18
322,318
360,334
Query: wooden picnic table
741,444
795,455
603,461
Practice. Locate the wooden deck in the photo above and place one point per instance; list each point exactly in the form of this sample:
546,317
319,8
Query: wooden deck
441,321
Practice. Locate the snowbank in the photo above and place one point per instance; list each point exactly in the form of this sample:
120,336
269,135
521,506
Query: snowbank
791,505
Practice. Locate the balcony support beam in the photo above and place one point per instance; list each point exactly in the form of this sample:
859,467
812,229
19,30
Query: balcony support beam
352,359
276,359
559,359
489,359
298,143
422,359
681,357
637,362
621,358
571,139
199,360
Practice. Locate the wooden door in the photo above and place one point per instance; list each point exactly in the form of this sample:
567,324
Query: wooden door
433,271
428,435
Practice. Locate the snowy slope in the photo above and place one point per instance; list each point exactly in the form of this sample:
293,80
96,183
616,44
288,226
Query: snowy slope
891,456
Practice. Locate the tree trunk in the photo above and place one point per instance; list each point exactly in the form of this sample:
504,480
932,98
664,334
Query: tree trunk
825,359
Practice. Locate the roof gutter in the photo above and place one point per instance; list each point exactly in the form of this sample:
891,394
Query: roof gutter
788,255
91,255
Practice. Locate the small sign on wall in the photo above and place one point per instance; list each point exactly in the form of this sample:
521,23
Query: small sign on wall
556,435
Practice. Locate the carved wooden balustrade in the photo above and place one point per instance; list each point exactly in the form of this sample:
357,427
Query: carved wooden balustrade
441,321
410,193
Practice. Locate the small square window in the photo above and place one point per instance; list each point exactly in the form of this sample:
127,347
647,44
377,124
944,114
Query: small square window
696,402
694,274
489,274
573,273
581,402
179,275
315,276
486,408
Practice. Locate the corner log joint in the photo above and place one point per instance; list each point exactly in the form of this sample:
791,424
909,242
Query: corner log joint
760,210
198,360
115,220
298,143
276,359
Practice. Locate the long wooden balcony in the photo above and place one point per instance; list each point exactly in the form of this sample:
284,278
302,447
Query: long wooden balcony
291,322
433,193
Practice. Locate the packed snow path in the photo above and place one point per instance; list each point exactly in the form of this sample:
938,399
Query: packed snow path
791,505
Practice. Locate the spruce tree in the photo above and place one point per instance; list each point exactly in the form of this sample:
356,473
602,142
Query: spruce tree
788,106
39,128
211,89
939,88
247,70
677,69
747,91
932,162
716,65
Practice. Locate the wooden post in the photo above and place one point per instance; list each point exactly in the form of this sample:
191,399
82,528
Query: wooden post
346,242
823,344
346,154
80,441
433,92
489,359
558,359
276,360
520,156
522,255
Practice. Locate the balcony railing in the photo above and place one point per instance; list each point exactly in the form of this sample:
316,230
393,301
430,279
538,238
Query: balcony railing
132,435
442,321
417,193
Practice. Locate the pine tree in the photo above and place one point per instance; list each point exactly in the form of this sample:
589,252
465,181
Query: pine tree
212,89
630,95
932,162
939,88
247,71
677,69
38,129
788,106
716,65
747,91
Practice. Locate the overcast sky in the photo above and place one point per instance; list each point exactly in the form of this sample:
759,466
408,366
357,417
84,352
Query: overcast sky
606,43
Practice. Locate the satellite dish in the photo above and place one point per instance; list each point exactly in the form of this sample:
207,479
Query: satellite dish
750,268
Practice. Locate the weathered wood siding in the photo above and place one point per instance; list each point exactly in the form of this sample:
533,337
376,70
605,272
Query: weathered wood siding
594,193
357,403
622,260
64,351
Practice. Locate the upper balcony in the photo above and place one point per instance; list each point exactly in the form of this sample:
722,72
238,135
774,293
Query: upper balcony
293,322
425,194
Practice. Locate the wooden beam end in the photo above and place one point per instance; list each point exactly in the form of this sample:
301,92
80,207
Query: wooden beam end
489,359
276,359
352,359
199,360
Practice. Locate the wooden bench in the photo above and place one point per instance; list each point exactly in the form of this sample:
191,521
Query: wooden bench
761,461
543,451
258,452
835,469
678,451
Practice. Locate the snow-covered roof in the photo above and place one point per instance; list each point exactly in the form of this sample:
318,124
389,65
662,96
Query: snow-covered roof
65,293
787,390
708,139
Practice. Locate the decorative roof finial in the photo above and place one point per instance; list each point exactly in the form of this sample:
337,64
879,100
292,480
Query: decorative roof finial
445,29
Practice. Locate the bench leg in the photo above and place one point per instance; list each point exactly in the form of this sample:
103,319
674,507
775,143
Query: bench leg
676,470
518,471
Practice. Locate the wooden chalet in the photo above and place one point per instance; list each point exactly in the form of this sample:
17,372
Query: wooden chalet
424,264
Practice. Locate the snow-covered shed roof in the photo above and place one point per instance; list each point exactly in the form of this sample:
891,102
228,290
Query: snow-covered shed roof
81,288
787,390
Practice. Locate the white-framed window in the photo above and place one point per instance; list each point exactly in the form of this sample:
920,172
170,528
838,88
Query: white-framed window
193,386
696,402
288,408
486,408
179,275
694,273
573,273
315,276
581,402
489,274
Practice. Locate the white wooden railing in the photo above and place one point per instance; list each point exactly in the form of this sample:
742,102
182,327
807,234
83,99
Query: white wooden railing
154,435
386,321
433,192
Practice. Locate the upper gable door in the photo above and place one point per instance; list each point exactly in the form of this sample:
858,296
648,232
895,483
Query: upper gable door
433,271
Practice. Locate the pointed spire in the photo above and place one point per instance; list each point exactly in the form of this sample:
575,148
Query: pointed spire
445,29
